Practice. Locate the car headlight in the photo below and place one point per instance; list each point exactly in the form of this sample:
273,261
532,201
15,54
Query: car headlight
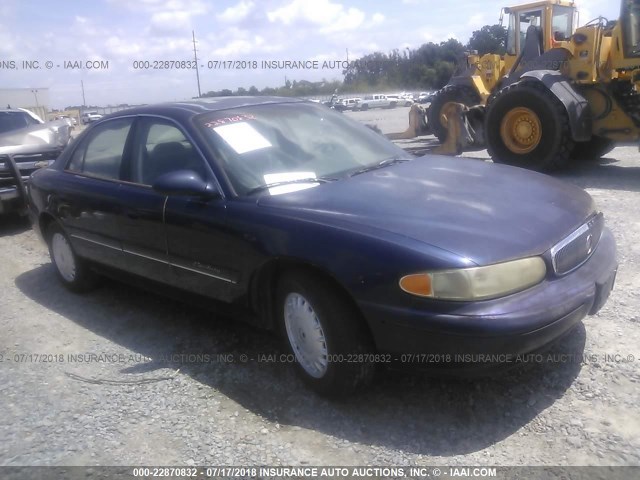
476,283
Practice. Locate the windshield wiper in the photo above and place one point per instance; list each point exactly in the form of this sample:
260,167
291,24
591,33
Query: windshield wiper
384,163
259,188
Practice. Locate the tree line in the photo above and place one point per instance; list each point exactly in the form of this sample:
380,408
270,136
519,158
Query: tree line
428,67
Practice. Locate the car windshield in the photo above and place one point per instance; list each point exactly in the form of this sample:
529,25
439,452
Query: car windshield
10,121
275,143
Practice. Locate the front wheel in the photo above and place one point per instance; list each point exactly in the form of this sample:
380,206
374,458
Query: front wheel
527,126
327,336
73,271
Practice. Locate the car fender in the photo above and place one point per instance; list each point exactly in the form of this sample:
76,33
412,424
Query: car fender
369,276
381,255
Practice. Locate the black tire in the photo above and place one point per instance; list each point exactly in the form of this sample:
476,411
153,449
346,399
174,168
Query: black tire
554,148
450,93
365,106
594,149
344,333
82,279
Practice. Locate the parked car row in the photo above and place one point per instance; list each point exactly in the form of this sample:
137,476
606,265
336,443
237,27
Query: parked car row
347,103
402,99
424,97
86,117
376,101
379,101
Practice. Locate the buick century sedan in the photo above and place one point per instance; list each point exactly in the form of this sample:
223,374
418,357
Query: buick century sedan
352,250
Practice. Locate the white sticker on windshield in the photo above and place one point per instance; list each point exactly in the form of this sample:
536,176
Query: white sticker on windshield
292,187
288,177
242,137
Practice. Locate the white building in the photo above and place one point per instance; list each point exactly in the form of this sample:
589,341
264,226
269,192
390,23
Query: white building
33,99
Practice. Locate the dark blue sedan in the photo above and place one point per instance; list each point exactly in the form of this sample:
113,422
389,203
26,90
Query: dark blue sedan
354,251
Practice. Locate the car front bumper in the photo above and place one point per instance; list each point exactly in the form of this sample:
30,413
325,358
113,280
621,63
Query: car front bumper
10,200
12,195
471,335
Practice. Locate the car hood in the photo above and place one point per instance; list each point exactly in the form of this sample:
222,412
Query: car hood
47,135
484,212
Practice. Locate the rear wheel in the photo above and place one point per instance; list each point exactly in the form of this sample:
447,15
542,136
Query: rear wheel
449,94
327,336
72,270
527,126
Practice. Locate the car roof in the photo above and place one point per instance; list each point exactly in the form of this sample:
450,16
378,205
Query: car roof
187,109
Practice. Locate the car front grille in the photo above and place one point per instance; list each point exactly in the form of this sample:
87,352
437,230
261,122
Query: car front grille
576,248
26,163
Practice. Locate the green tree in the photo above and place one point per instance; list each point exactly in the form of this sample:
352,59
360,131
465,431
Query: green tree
489,39
427,67
443,72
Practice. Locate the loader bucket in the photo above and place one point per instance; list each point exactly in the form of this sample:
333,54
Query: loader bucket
417,124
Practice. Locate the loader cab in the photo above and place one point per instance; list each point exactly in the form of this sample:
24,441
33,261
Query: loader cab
630,24
625,41
556,20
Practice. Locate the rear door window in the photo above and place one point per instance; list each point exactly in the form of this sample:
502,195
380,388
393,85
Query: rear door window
101,154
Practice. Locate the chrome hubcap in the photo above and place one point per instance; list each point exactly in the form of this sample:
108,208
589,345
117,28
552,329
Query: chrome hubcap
63,257
305,335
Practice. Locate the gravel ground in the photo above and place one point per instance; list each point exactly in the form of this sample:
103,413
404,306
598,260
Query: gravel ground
142,400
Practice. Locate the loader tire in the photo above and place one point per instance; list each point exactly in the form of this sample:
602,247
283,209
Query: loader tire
527,126
594,149
449,94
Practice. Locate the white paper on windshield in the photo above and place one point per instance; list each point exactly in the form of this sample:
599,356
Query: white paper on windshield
242,137
287,177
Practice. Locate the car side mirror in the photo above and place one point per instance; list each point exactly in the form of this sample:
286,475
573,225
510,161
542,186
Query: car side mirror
184,182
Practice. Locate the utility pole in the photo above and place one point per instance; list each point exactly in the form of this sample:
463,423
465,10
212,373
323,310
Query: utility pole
84,102
195,57
35,94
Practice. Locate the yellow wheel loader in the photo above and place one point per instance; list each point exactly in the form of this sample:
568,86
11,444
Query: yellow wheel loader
480,76
571,101
574,100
